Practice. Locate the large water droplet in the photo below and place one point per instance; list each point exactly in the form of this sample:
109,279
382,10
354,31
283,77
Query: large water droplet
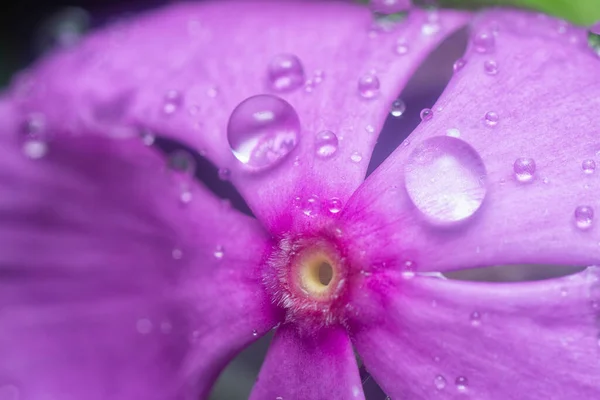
398,108
584,217
594,38
326,144
439,382
262,131
446,179
462,384
35,148
368,86
285,73
524,169
491,118
475,318
588,166
483,42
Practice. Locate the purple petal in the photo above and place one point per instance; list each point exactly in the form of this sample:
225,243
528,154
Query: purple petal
316,367
519,184
447,339
110,287
181,72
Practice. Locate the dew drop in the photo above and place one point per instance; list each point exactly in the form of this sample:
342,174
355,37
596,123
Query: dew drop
462,384
334,205
263,130
368,86
35,148
356,157
401,47
148,138
326,144
185,197
398,108
212,91
594,38
426,114
370,129
490,67
446,179
483,42
182,162
588,166
459,64
439,382
475,318
584,217
224,174
311,206
219,252
144,326
491,118
453,132
524,169
173,101
408,269
285,73
254,333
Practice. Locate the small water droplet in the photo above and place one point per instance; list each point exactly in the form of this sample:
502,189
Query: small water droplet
462,384
173,101
439,382
490,67
401,47
491,118
148,138
475,318
144,326
432,25
594,38
408,269
224,174
368,86
326,144
584,217
356,157
35,148
262,131
185,197
524,169
483,42
446,179
453,132
254,333
426,114
312,206
459,64
398,108
370,129
219,252
177,254
285,73
212,91
588,166
182,162
334,205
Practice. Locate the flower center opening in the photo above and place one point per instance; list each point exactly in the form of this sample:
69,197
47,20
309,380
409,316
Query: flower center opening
316,274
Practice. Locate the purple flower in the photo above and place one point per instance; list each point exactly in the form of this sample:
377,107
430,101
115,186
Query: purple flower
124,279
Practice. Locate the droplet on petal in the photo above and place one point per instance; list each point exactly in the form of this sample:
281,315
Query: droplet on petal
594,38
453,132
219,252
439,382
459,64
475,318
462,384
334,205
182,162
262,131
173,101
285,73
524,169
311,206
426,114
446,180
490,67
483,42
368,86
584,217
356,157
588,166
224,174
401,47
326,144
398,108
491,118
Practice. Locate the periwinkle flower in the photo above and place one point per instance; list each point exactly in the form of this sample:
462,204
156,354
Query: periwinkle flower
123,278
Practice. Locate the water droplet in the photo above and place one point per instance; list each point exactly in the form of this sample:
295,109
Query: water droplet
490,67
462,384
186,196
326,144
224,174
182,162
173,101
212,91
9,392
439,382
285,73
594,38
312,206
356,157
370,128
588,166
35,148
398,108
524,169
426,114
148,138
177,254
334,205
491,118
483,42
219,252
453,132
432,25
584,217
144,326
368,86
446,179
262,131
475,318
254,333
408,269
459,64
401,47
